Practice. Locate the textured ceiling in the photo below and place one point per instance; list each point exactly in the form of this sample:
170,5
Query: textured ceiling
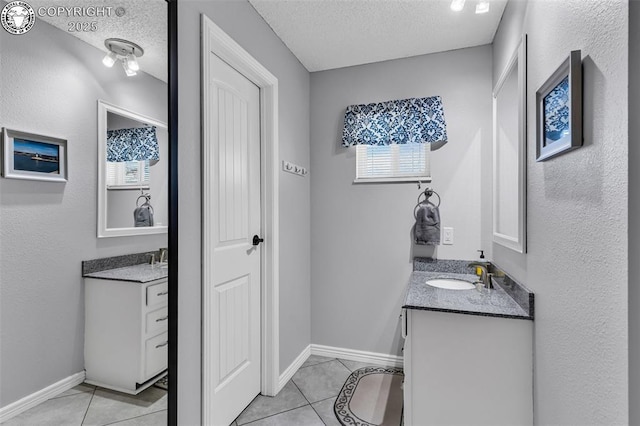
144,23
326,34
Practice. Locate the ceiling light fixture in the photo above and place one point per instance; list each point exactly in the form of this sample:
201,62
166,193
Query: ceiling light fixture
482,7
132,63
124,50
457,5
110,59
128,70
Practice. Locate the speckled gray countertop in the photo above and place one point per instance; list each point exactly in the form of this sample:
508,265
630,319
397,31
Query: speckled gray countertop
142,273
495,302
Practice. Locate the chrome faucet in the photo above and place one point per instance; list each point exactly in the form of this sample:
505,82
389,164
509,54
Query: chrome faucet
164,255
485,277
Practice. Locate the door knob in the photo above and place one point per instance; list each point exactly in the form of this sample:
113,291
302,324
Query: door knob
257,240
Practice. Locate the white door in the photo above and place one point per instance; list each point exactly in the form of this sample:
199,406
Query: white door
231,264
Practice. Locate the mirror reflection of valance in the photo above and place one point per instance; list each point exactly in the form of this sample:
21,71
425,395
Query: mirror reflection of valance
415,120
135,144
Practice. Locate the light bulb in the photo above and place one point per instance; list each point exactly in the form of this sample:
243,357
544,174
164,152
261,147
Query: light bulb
132,62
482,7
130,72
109,59
457,5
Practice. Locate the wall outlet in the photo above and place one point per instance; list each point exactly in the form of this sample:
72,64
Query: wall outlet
447,238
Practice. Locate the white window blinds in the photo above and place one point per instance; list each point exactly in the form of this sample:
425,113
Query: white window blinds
397,162
128,174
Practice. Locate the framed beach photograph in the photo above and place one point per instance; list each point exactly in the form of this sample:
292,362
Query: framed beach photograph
33,157
559,110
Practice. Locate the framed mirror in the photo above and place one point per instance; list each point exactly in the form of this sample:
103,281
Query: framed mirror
509,152
132,173
51,78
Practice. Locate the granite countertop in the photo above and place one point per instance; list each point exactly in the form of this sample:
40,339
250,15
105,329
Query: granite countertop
506,301
142,273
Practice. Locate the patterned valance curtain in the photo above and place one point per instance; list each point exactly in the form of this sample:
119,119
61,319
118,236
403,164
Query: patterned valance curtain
415,120
135,144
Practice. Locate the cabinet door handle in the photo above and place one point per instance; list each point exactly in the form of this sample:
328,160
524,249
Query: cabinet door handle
162,293
162,344
403,324
163,318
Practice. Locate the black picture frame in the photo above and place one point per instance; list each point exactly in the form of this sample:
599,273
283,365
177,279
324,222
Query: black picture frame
559,110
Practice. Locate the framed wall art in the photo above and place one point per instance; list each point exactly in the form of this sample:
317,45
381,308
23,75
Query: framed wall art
33,157
559,110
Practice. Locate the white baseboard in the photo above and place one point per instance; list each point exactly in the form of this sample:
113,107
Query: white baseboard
333,352
295,366
360,356
40,396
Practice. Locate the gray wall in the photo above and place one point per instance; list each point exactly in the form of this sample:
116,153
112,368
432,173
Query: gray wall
361,233
238,19
50,83
577,215
634,214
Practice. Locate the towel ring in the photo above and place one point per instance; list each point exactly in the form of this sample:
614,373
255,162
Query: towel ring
147,197
428,193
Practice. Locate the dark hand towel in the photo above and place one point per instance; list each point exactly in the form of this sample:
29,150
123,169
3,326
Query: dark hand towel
143,215
427,229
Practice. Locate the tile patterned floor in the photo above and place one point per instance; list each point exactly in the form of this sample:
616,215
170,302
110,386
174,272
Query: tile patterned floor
306,400
88,405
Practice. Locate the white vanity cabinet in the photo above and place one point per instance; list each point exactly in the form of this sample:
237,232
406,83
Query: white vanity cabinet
467,369
126,333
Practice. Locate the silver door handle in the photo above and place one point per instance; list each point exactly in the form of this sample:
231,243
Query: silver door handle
163,293
163,318
162,344
403,324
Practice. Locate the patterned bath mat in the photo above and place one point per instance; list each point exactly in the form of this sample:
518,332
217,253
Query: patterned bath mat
371,396
162,383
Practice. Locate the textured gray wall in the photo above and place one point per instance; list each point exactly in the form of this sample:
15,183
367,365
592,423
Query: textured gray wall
362,247
634,214
577,215
50,83
238,19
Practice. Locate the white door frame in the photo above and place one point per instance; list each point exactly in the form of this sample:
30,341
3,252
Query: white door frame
216,41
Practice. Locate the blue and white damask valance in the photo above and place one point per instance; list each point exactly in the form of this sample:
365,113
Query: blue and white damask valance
135,144
415,120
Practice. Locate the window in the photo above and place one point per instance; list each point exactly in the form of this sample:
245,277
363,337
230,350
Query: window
393,163
128,175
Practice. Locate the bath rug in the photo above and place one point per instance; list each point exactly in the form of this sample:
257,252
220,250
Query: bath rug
163,383
371,396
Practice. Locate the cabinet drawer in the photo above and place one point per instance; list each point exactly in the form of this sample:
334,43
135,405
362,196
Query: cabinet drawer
155,355
156,321
157,293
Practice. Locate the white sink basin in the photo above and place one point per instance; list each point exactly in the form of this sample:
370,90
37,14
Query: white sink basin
450,284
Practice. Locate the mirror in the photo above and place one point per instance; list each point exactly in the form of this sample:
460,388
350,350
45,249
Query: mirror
509,152
132,173
52,75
